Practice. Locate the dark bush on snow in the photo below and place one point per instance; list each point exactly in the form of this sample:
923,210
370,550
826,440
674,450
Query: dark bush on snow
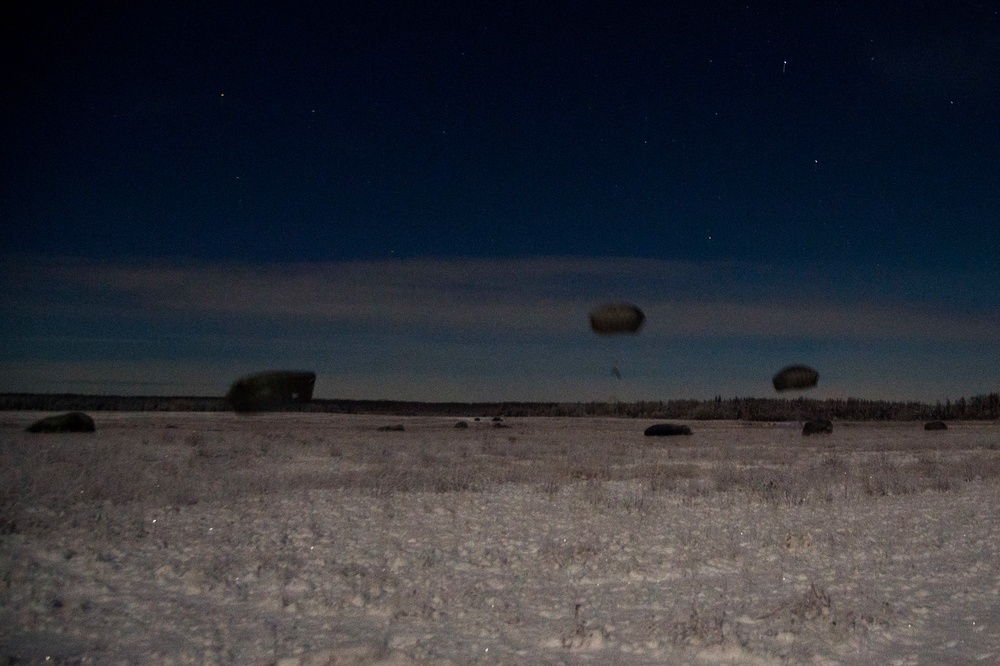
935,425
71,422
666,430
817,427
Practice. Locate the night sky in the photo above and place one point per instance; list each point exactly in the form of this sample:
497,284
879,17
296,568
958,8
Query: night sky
424,200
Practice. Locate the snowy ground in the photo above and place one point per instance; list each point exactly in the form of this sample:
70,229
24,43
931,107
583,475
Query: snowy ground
318,539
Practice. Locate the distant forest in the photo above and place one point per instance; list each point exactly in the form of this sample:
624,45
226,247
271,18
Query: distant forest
977,408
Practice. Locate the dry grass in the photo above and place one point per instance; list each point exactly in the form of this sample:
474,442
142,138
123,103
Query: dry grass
46,480
730,531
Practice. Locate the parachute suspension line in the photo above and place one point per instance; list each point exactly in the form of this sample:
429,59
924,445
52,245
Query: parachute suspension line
797,378
618,364
616,319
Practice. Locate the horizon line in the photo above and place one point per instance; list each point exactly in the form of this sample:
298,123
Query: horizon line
299,406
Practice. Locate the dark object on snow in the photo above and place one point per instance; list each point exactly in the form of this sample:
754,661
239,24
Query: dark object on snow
70,422
462,424
499,424
795,377
391,428
7,526
267,391
817,427
666,430
616,318
935,425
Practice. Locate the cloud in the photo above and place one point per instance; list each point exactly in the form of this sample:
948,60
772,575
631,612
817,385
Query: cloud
109,377
514,329
858,321
543,296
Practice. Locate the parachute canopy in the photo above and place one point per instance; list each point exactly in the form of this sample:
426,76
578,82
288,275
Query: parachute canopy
795,377
616,318
270,390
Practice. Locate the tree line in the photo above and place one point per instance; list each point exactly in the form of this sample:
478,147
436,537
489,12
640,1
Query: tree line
977,408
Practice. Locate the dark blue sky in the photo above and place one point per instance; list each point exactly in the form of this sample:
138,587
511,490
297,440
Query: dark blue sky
851,145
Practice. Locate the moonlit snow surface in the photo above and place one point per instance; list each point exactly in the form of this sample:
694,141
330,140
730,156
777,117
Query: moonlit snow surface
317,539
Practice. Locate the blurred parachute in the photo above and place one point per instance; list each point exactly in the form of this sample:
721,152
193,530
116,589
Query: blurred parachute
266,391
795,377
616,318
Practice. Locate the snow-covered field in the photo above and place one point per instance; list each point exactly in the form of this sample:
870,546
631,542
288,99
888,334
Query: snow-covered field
318,539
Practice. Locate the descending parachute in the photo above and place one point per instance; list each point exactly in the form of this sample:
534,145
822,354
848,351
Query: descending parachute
266,391
795,377
616,318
